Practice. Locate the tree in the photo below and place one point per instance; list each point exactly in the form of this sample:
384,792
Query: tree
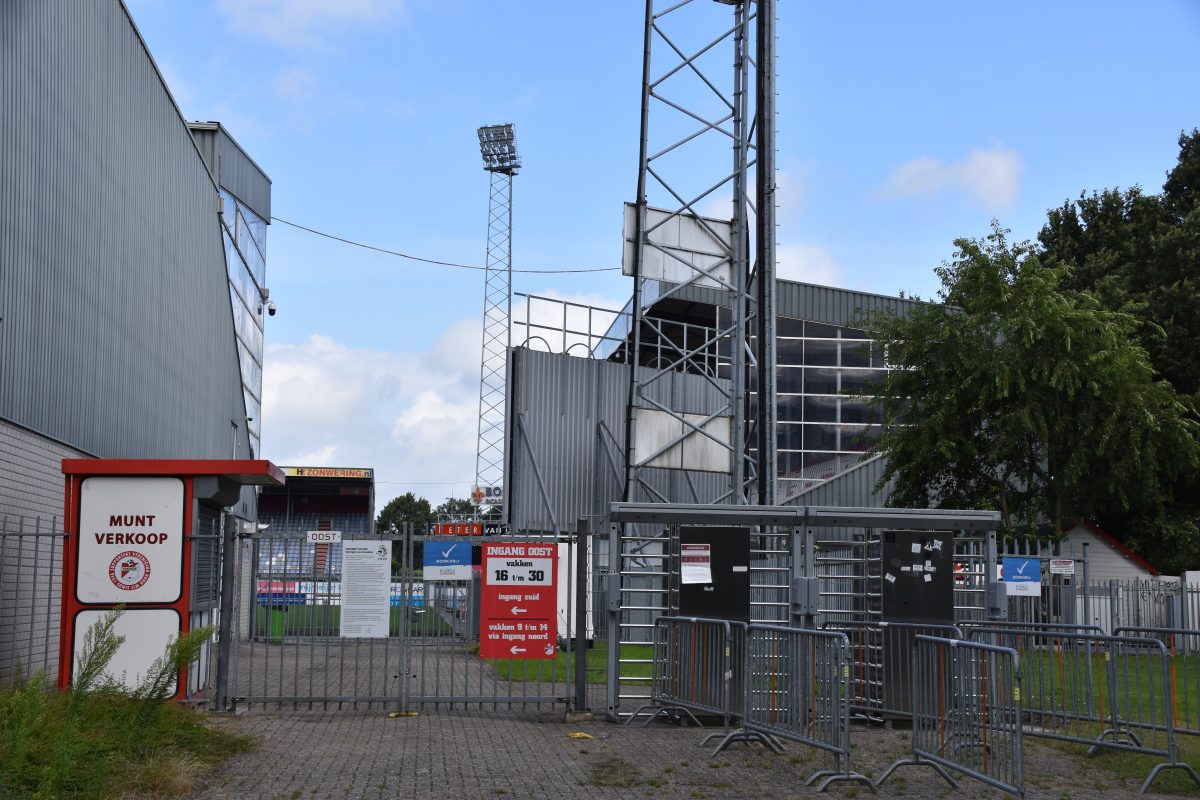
457,507
1025,397
407,509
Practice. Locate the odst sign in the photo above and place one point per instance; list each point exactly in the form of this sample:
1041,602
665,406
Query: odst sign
130,540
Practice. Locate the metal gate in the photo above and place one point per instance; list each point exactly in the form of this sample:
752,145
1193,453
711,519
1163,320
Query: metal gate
287,647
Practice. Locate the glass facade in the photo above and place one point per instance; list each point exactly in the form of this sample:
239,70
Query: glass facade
245,235
824,380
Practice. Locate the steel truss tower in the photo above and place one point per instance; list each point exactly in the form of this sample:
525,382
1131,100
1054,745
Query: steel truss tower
690,125
498,145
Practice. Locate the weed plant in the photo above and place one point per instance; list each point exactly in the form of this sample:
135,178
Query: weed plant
101,740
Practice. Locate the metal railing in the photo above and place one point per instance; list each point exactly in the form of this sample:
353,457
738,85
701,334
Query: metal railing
31,552
1181,644
797,685
881,662
697,668
1102,691
967,713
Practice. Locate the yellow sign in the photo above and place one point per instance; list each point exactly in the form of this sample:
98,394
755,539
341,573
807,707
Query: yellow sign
328,472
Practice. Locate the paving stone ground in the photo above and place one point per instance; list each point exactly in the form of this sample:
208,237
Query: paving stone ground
348,755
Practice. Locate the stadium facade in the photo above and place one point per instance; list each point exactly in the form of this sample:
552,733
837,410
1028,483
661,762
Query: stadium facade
132,284
566,447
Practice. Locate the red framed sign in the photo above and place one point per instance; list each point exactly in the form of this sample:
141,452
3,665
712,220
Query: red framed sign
518,600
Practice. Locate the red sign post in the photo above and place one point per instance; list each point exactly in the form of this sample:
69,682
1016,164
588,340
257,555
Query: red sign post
519,601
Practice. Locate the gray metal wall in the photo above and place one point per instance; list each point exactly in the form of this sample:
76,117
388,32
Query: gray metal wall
566,437
117,336
808,301
233,168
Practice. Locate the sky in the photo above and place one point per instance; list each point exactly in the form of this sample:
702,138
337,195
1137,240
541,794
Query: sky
901,127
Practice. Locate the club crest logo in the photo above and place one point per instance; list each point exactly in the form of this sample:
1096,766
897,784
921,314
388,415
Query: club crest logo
129,570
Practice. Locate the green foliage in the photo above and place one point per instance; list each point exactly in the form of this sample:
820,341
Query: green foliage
100,644
1026,397
98,741
456,506
407,509
1140,254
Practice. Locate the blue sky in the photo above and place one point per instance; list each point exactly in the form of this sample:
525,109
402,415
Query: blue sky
901,127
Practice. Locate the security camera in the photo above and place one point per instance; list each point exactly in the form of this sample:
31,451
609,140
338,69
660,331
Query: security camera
271,308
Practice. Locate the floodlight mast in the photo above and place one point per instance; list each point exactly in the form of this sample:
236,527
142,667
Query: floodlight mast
498,146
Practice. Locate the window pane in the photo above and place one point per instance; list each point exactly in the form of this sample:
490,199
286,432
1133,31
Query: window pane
859,438
791,409
820,437
789,351
858,410
860,381
820,354
820,381
815,330
820,409
789,380
852,333
856,354
789,437
787,326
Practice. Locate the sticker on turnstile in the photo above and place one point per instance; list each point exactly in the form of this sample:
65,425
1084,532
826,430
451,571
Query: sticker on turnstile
890,578
937,545
1017,694
845,670
916,547
918,568
906,568
928,577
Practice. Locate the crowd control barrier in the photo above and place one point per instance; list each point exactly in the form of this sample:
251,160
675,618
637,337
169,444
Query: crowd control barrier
1185,672
1103,691
797,684
966,713
697,668
881,660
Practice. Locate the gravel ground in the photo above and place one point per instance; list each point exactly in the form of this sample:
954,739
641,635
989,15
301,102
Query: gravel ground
459,754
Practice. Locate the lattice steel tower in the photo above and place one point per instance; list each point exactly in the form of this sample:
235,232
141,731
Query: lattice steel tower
684,241
498,145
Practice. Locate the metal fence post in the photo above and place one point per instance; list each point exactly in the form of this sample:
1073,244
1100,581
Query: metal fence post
228,553
581,632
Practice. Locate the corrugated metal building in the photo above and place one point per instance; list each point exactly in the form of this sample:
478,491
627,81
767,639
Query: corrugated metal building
567,419
118,337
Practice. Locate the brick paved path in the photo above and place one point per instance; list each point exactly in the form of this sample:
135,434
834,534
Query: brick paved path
511,754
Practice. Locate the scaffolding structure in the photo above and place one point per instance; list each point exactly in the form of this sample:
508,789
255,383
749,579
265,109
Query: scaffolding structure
677,244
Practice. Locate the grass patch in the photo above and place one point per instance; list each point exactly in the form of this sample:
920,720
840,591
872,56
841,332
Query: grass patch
617,772
327,621
1135,766
562,667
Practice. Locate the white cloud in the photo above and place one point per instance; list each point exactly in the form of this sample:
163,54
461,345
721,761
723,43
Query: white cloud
305,23
990,178
410,416
808,263
295,84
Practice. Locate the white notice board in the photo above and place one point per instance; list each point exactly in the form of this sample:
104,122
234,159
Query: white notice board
130,540
366,588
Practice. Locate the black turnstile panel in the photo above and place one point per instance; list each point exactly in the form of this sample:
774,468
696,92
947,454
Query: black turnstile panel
728,595
918,577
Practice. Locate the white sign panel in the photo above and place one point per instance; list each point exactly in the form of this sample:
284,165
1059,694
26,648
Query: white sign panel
366,589
695,563
130,540
1062,566
324,537
147,633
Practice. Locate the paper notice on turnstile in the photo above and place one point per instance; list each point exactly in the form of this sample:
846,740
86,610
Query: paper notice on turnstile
695,563
366,589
